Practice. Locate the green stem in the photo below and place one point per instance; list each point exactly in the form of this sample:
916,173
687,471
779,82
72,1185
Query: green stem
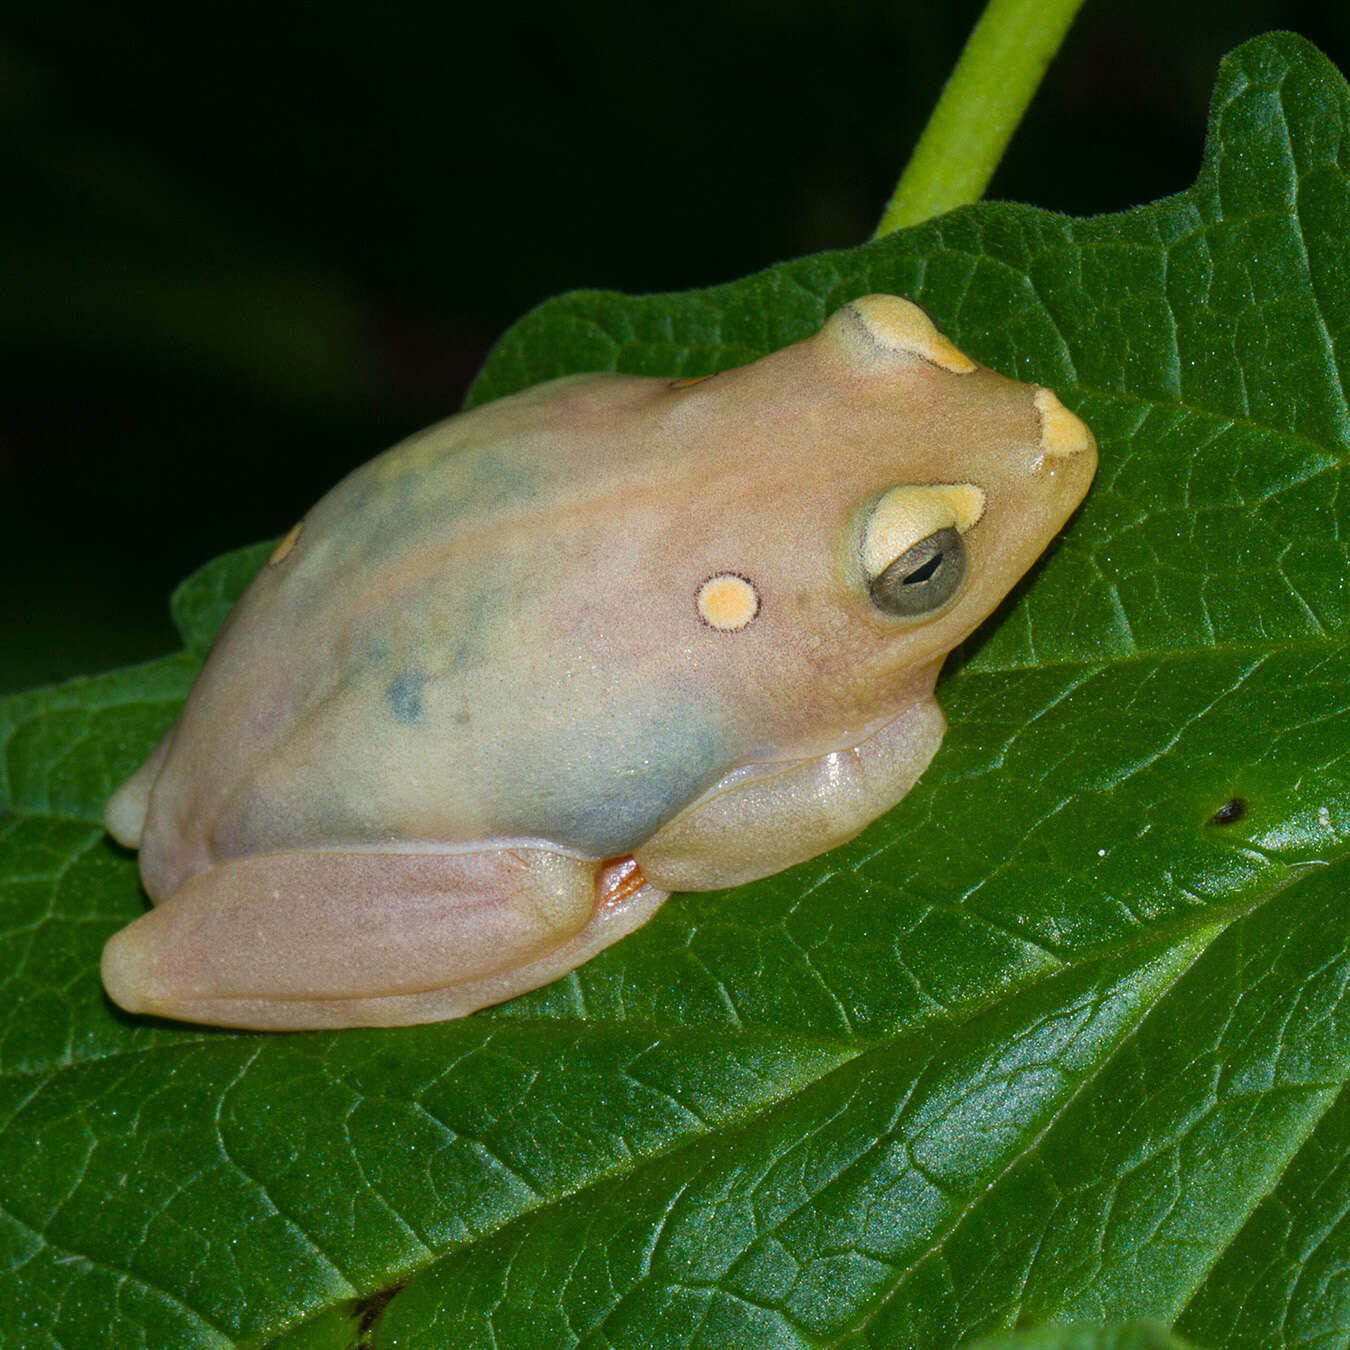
988,91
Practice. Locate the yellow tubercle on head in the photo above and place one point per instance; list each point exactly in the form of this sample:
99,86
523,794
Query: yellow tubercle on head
1062,433
727,601
287,544
900,325
905,515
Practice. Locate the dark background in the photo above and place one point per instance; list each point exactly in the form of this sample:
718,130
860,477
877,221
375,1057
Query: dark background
250,245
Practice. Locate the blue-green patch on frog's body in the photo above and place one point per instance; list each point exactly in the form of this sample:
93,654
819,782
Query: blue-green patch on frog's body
617,778
403,694
418,497
416,488
494,480
476,622
373,649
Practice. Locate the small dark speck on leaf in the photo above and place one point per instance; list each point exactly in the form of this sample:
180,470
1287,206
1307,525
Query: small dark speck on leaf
1233,809
367,1311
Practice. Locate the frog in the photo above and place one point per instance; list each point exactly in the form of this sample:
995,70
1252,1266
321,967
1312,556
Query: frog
514,682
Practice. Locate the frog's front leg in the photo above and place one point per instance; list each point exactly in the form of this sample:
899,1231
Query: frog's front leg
766,817
306,940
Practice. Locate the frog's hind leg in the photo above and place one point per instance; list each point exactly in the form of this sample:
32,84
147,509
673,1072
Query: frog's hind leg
307,940
124,815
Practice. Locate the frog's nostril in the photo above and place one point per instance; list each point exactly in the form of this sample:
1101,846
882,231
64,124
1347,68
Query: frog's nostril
1062,433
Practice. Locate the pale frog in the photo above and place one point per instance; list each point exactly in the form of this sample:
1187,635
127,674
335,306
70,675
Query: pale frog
511,683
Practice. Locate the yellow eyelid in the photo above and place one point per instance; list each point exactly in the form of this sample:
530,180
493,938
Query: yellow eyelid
905,515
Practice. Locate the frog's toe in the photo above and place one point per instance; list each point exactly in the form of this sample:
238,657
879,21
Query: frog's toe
127,970
124,815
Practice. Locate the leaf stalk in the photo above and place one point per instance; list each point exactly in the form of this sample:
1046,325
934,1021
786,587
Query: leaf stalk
986,95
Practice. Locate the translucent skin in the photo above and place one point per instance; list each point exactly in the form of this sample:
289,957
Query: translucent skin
490,663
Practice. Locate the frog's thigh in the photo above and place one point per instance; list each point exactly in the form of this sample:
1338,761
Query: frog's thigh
761,824
358,939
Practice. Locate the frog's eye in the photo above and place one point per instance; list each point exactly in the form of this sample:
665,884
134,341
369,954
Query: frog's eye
911,551
923,578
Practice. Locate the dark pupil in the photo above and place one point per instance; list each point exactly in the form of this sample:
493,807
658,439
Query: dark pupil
925,571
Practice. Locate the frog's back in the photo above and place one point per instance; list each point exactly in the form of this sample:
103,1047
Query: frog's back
394,671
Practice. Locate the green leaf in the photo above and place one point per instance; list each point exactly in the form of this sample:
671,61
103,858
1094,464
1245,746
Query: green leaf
1056,1052
201,603
1139,1336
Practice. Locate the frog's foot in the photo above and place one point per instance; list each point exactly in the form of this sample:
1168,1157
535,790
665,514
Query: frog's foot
286,941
